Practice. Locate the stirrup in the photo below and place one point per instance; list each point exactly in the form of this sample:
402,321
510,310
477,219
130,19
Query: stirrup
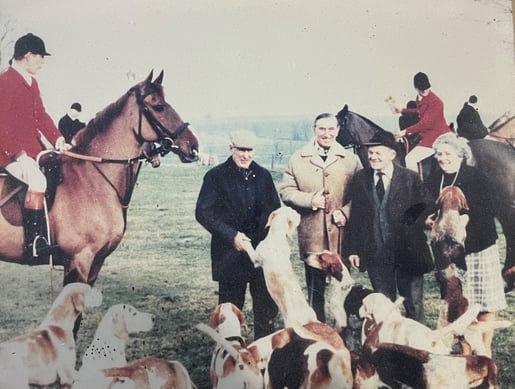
41,247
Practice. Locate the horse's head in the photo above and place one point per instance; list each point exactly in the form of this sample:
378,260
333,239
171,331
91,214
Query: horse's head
356,130
159,122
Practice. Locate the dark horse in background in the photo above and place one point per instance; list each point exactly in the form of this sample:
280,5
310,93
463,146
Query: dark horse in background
88,216
495,159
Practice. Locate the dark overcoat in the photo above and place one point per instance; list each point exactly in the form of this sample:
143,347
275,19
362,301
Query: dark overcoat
228,202
69,127
469,123
407,206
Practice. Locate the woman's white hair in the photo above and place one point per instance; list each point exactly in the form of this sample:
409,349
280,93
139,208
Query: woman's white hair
456,142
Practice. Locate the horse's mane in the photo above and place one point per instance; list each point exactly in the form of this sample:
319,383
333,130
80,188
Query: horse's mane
368,121
104,118
99,123
364,131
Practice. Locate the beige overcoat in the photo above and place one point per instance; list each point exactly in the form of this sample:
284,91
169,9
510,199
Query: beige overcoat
307,174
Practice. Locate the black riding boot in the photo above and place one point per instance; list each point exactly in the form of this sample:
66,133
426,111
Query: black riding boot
37,249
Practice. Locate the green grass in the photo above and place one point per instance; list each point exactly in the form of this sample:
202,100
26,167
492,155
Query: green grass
163,267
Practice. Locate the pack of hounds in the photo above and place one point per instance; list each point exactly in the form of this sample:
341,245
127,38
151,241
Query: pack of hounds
370,346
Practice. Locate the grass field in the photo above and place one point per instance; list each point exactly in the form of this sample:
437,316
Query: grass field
163,267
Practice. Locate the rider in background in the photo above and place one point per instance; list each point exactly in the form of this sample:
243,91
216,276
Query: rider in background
409,118
431,125
469,121
70,124
25,130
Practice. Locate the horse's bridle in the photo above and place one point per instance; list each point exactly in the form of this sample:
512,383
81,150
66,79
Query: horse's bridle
165,137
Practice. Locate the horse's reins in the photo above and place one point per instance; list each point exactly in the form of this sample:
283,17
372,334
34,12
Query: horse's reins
165,137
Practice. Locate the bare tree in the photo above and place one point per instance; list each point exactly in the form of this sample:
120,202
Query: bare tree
7,24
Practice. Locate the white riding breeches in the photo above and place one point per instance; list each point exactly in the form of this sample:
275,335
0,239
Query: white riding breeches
27,170
416,155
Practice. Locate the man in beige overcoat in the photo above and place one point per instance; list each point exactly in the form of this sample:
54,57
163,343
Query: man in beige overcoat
315,184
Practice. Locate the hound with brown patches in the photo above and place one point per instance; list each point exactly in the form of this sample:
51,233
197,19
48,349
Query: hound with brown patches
305,363
448,226
262,348
421,369
455,304
401,330
149,373
227,319
273,255
232,364
47,354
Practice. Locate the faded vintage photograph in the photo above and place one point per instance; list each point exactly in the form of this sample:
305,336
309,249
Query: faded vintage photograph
257,194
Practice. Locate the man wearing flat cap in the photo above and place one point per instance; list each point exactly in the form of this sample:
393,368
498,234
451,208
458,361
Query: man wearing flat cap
70,124
385,233
234,203
26,129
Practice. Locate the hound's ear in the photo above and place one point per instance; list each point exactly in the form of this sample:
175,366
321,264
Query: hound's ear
214,319
159,79
270,218
291,227
119,326
79,302
148,80
240,316
464,204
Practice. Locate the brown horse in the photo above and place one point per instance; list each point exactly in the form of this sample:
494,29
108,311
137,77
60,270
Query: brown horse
503,129
88,217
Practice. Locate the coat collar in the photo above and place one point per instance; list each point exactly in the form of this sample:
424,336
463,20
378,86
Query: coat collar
336,151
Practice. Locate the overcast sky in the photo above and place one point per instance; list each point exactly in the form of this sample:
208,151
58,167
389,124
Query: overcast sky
263,57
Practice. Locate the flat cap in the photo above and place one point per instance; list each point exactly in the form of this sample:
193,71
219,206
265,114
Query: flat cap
243,139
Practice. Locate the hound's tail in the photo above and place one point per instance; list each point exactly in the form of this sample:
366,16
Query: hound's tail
219,339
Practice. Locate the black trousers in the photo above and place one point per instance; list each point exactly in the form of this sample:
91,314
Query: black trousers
316,282
263,306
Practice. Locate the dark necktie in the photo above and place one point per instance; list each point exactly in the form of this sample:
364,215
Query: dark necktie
380,186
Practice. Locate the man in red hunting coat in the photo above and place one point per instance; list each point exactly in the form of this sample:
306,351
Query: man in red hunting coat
25,130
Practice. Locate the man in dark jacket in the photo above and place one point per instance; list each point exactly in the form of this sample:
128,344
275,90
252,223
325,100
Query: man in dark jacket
234,203
385,232
469,121
70,124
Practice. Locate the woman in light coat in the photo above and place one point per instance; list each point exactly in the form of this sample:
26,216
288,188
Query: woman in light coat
315,184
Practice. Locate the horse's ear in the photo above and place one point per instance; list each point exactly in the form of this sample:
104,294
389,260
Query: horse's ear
343,112
148,80
159,79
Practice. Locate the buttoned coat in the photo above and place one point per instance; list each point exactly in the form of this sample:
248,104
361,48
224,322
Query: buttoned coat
22,116
307,174
407,204
229,202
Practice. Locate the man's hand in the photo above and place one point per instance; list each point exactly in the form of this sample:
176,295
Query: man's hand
61,145
318,200
430,220
339,218
241,241
354,261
